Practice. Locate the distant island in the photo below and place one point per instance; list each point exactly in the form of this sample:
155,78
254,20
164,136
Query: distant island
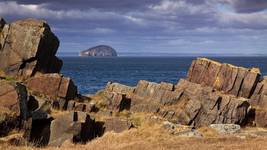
99,51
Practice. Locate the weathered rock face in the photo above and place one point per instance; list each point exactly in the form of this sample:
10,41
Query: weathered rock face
224,77
101,50
202,106
83,107
52,86
27,47
14,97
119,88
259,97
261,118
73,126
13,105
117,125
161,93
187,103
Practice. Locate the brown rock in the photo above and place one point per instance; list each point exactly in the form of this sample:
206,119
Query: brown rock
249,83
224,77
14,97
163,93
261,118
205,106
118,101
119,88
200,72
52,86
27,47
13,106
259,97
75,126
117,125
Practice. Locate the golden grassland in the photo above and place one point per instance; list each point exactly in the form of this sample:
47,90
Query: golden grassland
151,136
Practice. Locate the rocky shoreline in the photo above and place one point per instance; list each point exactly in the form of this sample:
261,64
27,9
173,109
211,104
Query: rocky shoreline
46,108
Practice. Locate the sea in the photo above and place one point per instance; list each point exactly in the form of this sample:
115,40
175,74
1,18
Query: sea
91,74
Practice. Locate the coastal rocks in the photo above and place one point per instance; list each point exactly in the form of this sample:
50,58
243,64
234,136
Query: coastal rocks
117,101
52,86
13,105
100,51
117,125
226,128
83,107
22,59
224,77
161,93
73,126
261,118
203,106
259,98
119,88
187,103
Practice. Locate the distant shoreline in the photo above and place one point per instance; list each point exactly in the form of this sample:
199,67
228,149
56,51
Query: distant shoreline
165,55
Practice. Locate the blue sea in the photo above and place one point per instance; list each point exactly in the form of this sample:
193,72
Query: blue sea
92,74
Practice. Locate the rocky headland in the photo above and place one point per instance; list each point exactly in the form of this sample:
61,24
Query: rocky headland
45,108
99,51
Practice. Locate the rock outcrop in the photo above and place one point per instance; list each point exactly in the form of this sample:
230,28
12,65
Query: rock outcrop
100,51
117,125
28,47
230,79
28,89
13,106
52,86
186,103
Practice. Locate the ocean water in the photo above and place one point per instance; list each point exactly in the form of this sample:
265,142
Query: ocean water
92,74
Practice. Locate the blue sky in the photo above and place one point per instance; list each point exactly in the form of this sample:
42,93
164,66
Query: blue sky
151,26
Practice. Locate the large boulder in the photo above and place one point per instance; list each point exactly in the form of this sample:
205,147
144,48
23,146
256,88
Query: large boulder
75,126
52,86
259,97
68,126
202,106
13,105
224,77
226,128
162,93
261,118
119,88
117,125
28,47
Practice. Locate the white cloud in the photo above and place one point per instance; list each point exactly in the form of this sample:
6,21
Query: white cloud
87,31
135,20
171,6
38,11
249,20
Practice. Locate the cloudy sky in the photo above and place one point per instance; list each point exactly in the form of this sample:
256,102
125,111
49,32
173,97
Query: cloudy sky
151,26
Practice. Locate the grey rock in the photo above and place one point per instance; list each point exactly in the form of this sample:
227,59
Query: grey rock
226,128
117,125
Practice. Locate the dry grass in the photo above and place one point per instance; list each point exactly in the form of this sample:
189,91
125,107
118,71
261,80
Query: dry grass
153,136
